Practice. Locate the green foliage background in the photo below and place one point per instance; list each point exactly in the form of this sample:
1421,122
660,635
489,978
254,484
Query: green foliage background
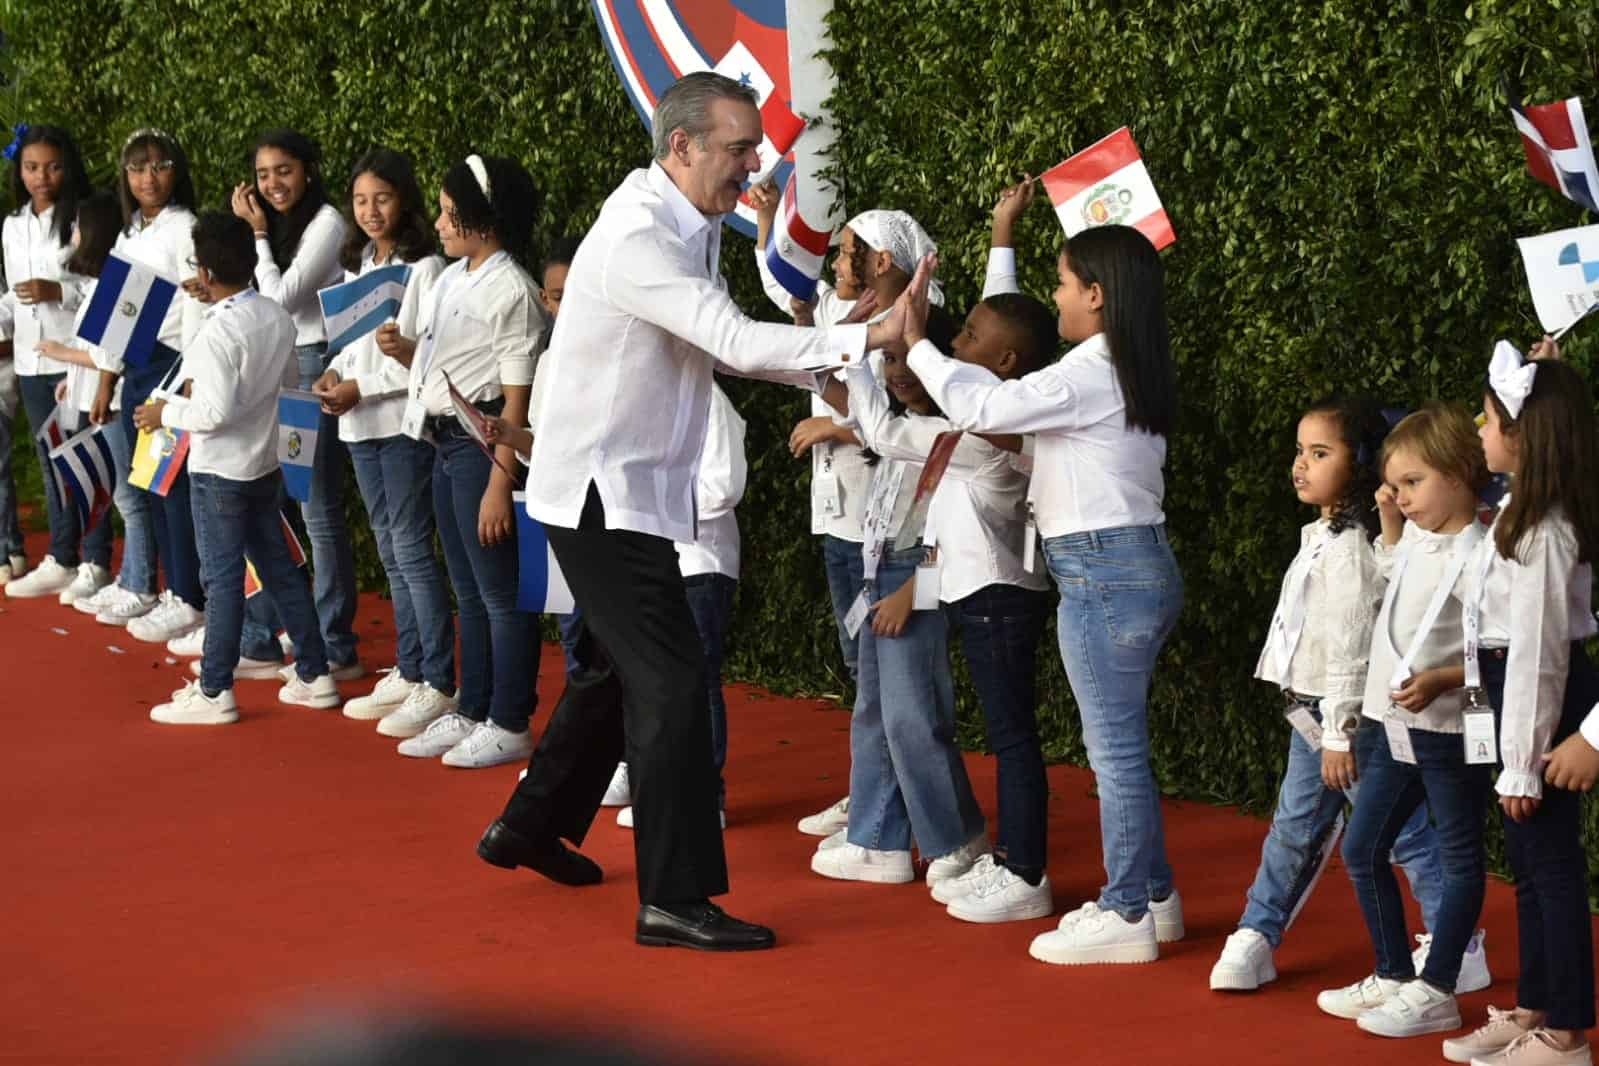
1343,177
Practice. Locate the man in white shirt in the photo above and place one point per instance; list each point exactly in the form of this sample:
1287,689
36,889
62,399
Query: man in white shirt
644,319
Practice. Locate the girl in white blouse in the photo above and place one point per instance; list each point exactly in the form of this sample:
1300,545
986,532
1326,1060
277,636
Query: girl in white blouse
1530,607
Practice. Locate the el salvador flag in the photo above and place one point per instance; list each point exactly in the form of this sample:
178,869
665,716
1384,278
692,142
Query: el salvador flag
541,589
355,308
125,314
299,417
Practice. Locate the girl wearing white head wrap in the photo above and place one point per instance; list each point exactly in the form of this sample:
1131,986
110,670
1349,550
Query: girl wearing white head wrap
902,237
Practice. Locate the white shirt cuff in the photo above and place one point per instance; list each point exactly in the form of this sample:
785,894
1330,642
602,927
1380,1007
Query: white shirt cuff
1519,783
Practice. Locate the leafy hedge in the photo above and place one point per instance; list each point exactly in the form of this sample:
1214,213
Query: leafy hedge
1343,177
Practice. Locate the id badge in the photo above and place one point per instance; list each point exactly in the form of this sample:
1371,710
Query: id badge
925,596
413,422
1481,746
1399,741
827,494
1306,726
1030,547
857,615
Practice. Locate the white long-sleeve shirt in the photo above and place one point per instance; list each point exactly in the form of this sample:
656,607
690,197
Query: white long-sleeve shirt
483,329
165,244
32,251
645,317
315,265
718,488
1339,592
1533,607
383,381
237,363
83,383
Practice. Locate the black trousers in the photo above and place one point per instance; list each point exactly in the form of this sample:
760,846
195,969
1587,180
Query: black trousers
640,695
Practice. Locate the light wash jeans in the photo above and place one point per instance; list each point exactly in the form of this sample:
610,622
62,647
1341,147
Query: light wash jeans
133,504
332,550
1120,594
845,573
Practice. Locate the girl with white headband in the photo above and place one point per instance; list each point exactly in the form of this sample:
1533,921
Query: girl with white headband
1525,620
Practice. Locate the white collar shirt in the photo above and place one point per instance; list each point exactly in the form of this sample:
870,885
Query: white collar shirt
165,244
83,382
718,488
32,251
482,330
383,382
314,266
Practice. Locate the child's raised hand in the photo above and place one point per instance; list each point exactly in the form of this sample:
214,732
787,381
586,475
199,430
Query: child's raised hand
1548,348
764,197
1573,765
804,311
890,613
1338,769
1010,206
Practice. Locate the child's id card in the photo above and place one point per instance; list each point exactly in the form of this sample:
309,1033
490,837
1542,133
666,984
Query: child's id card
1399,745
857,614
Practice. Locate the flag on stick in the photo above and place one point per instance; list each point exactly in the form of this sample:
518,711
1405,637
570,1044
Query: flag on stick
540,587
474,422
1106,184
1559,152
910,530
795,251
158,458
85,472
252,580
355,308
1563,274
299,417
50,433
125,313
780,127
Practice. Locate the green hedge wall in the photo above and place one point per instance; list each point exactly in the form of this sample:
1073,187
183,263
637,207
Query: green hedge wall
1343,177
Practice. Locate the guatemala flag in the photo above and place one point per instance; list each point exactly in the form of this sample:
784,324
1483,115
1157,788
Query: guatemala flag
795,251
125,314
85,471
299,417
352,310
540,587
1559,153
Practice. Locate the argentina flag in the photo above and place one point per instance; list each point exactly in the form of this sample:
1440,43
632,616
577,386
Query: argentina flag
355,308
299,418
85,472
125,314
541,589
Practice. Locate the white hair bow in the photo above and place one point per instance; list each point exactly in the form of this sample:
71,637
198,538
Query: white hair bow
1510,376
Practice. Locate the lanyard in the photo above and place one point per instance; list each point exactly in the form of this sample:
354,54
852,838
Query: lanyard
1465,543
1288,624
886,480
1471,617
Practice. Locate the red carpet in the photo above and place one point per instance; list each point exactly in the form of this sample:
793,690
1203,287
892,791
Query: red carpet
172,889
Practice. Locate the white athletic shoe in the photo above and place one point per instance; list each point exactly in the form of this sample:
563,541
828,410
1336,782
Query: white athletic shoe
91,604
1352,1001
48,579
189,646
618,793
837,840
389,693
247,669
489,745
170,618
826,823
12,566
851,862
91,578
1168,918
118,606
191,706
1503,1028
423,706
1246,963
958,861
350,671
317,692
951,888
1002,896
443,734
1090,935
1415,1009
1474,975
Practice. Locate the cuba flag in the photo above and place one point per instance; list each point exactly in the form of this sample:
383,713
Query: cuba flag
540,587
125,313
355,308
85,472
299,418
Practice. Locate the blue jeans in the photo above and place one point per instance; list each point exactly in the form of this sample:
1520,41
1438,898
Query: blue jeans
171,516
570,630
233,518
499,678
1304,831
1391,792
395,475
1000,627
133,504
332,551
39,399
10,525
845,575
710,598
1120,594
906,773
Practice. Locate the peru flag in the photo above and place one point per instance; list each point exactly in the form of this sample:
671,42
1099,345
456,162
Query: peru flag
1106,185
780,125
1559,153
795,251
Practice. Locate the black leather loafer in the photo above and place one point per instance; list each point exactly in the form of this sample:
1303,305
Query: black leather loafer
699,925
505,847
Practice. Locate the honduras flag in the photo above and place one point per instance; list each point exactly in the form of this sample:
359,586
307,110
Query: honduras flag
85,471
125,314
352,310
540,589
299,418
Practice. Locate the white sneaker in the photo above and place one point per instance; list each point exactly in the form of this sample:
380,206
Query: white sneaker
191,706
91,578
1503,1028
317,692
1352,1001
14,566
389,693
118,606
423,706
826,823
1002,896
1090,935
1168,918
624,817
1537,1047
170,618
952,888
247,669
490,745
439,737
851,862
189,646
1415,1009
1474,975
618,793
1245,963
47,580
958,861
91,604
350,671
837,840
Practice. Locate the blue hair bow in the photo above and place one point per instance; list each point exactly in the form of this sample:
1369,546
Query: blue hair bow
19,131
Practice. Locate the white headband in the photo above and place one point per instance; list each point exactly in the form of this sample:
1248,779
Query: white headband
474,163
1511,377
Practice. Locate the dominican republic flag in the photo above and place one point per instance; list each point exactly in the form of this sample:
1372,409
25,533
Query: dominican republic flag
795,251
299,417
252,580
540,587
355,308
85,472
780,126
125,313
1559,153
158,458
1106,185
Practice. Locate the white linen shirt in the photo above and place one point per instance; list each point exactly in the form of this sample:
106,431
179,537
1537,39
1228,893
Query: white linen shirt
718,488
31,252
83,383
1342,595
1533,607
165,244
481,327
237,363
1089,470
383,382
315,265
645,316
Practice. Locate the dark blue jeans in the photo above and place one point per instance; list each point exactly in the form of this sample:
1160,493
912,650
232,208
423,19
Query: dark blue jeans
39,399
499,677
10,524
172,515
1456,794
845,576
1553,930
710,598
232,519
1000,627
570,626
332,550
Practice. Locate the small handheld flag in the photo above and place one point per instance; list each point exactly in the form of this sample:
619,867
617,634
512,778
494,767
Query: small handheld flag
541,589
158,458
910,530
299,418
1559,152
85,472
50,433
475,423
1106,184
252,580
780,127
125,314
795,251
1563,274
355,308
